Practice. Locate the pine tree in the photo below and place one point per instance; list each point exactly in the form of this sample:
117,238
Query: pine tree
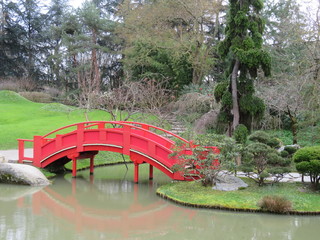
11,58
242,47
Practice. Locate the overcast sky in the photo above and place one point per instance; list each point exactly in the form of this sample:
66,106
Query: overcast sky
76,3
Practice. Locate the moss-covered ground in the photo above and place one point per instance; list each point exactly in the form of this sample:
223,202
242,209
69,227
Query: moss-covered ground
194,194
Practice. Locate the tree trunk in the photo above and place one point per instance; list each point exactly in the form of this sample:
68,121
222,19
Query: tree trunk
234,89
95,73
294,126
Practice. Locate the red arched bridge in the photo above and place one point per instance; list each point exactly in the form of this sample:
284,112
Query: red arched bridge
143,143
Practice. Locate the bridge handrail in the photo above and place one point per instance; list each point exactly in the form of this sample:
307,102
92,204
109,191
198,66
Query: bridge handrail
121,123
157,128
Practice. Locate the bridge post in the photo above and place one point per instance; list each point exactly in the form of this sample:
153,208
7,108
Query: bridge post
74,167
150,172
136,172
91,164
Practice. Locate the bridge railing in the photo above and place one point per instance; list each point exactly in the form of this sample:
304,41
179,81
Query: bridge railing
39,141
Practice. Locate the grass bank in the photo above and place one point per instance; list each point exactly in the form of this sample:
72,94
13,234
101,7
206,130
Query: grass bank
21,118
194,194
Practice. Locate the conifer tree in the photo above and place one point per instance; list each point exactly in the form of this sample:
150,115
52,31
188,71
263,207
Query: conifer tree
242,47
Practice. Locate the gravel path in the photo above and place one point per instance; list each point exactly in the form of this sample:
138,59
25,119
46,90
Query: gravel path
12,155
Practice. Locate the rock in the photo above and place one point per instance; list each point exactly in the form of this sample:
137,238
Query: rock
22,174
206,121
225,182
2,159
296,146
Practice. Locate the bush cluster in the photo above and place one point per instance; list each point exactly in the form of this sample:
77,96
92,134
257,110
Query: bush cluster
308,163
263,137
275,204
40,97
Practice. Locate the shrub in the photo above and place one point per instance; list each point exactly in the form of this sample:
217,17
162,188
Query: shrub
308,162
241,134
275,204
37,96
273,142
220,89
263,137
306,154
290,149
284,154
10,86
260,160
259,136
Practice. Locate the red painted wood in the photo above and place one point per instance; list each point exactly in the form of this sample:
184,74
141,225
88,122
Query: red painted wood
91,165
150,172
136,172
85,139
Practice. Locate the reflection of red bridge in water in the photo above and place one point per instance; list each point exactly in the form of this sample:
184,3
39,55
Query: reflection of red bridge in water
136,217
141,142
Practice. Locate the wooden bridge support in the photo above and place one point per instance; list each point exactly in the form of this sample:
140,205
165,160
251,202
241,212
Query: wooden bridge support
150,172
136,172
74,166
91,164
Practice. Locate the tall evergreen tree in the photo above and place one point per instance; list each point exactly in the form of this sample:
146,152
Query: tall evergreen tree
11,58
55,18
33,38
242,47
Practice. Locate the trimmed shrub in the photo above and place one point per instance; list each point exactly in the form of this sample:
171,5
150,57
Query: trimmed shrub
241,134
284,154
259,136
263,137
260,161
275,204
290,149
306,154
37,97
220,89
308,162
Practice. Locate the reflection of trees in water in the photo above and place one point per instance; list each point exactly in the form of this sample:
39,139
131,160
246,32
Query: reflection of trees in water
104,209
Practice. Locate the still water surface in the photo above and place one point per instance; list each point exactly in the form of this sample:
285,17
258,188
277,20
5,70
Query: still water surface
110,206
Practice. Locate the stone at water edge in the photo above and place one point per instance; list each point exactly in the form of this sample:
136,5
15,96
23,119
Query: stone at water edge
22,174
225,182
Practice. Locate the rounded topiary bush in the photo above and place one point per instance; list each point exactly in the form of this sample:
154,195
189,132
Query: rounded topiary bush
290,149
263,137
241,134
307,154
308,162
284,154
259,136
220,89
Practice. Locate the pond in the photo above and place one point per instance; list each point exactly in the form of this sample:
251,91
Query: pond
109,205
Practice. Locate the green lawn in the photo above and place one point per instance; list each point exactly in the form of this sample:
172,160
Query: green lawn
195,193
20,118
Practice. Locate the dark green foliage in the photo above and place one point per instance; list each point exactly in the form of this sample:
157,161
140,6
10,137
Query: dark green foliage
308,162
275,204
290,149
259,136
284,154
264,161
220,89
263,137
159,63
252,105
307,154
207,162
243,43
241,134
